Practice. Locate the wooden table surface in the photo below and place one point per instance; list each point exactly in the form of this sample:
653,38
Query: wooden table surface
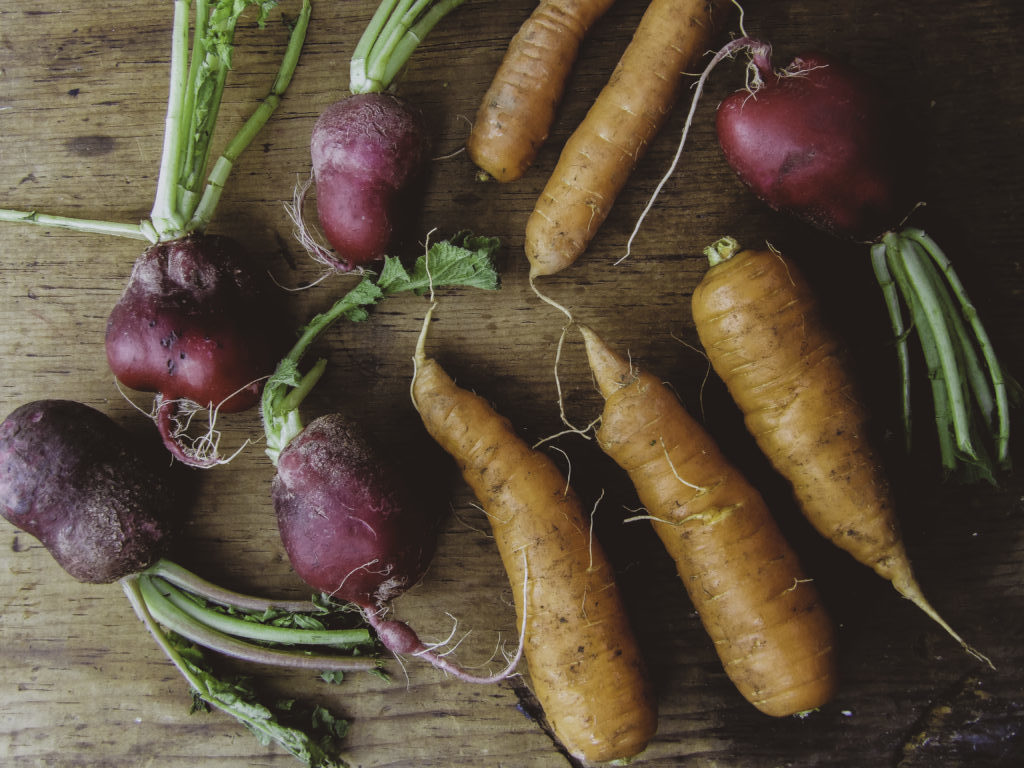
82,94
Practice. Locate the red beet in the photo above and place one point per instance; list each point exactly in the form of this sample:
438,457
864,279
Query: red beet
368,152
353,530
196,322
815,140
348,523
77,481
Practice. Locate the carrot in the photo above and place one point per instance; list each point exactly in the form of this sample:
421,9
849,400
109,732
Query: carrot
583,660
765,617
761,326
519,107
602,152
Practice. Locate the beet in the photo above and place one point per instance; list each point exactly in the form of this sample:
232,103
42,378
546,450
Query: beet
817,141
196,322
354,531
193,323
77,481
368,152
350,527
190,324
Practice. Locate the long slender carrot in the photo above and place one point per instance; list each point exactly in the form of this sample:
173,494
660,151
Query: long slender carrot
601,153
761,326
583,660
518,109
765,617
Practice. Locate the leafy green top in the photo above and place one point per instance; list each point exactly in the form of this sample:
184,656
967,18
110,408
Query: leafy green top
463,261
186,195
394,32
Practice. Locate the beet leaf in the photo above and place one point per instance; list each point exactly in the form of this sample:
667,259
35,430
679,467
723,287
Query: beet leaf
463,261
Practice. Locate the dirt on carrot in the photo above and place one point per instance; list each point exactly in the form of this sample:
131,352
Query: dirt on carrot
584,663
600,155
763,614
761,327
519,107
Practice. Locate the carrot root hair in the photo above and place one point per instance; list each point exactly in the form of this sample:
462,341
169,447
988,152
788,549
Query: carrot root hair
760,54
909,588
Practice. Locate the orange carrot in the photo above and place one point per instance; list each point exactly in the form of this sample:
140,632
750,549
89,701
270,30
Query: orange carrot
583,660
600,155
519,107
762,329
765,617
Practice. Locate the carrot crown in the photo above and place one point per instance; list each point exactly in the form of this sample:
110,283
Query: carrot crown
722,249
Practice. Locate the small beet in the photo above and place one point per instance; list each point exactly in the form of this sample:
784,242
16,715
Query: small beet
815,140
74,479
368,153
350,527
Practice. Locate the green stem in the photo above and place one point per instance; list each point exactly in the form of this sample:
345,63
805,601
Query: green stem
890,294
968,362
286,389
984,343
253,715
182,577
251,630
198,64
165,215
389,40
385,45
177,620
944,426
408,43
931,321
297,394
211,62
222,168
139,231
132,589
358,80
466,262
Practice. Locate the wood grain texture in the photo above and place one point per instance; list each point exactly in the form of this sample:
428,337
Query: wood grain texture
82,94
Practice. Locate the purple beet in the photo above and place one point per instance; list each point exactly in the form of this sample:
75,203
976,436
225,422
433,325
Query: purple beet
353,529
348,523
368,152
77,481
196,323
815,140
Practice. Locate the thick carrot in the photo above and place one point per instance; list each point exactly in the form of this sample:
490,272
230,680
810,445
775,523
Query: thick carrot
519,107
583,660
602,152
760,324
764,616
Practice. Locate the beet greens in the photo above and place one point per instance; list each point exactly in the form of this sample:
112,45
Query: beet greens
183,328
351,524
107,510
816,140
464,260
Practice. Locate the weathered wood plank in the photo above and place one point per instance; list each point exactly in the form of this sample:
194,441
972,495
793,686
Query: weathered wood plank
81,111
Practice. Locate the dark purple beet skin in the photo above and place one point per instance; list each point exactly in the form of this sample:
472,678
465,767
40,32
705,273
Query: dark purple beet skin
75,480
368,151
197,322
350,527
817,142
